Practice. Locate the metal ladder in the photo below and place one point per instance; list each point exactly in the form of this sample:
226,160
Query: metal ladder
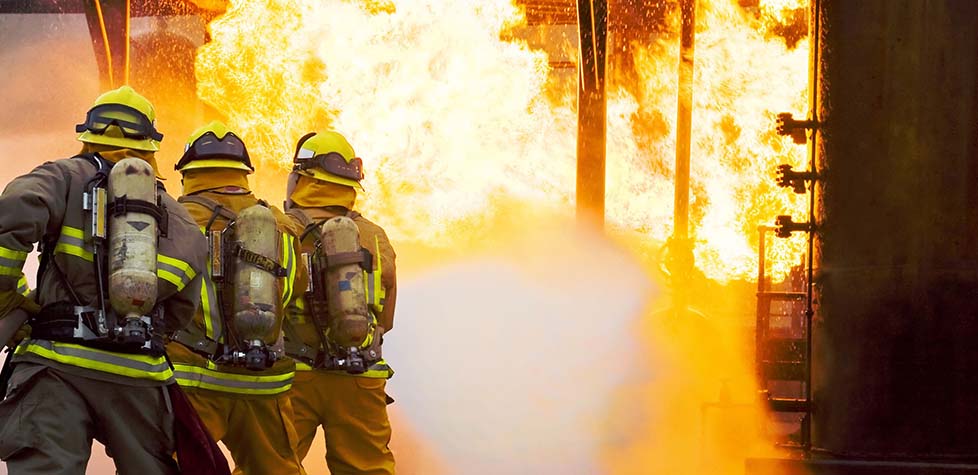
783,355
781,348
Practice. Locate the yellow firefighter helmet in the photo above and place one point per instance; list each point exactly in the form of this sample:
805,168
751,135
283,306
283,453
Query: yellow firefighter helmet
121,118
328,156
214,146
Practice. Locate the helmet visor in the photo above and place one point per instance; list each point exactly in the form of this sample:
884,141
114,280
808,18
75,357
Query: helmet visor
209,146
332,163
132,123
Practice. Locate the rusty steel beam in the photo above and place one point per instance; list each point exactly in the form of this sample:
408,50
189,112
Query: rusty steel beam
108,26
138,8
591,110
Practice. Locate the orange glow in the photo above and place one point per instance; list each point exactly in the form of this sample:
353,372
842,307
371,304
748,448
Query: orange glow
452,120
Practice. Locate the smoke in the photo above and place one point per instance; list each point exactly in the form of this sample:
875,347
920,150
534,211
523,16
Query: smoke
508,358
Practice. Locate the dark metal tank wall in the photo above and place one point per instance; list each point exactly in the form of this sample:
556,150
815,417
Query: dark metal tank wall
896,330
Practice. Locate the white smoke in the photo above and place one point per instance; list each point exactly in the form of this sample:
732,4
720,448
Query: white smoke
507,361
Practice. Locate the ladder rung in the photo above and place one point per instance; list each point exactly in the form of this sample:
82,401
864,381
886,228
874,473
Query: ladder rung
788,405
784,370
782,295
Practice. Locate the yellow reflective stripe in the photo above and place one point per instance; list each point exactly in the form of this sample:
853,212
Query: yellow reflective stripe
378,370
123,364
63,248
208,302
209,378
10,271
69,231
182,266
378,292
288,262
174,271
72,242
22,287
11,261
13,254
212,315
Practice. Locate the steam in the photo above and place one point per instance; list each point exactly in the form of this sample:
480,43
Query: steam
508,360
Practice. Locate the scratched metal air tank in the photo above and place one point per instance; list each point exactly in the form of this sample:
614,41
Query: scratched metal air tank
895,351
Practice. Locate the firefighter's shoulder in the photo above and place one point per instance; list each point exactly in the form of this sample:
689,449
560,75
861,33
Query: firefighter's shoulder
286,223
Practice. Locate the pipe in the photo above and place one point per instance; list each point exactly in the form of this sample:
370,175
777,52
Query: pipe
108,26
680,246
806,428
591,110
684,119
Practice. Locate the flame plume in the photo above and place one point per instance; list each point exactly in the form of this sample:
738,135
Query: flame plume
455,124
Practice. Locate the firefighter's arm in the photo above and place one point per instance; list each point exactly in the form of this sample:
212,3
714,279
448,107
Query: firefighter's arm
33,205
388,279
180,308
301,281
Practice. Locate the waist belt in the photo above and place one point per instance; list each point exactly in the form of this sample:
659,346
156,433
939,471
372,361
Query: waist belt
68,323
316,357
304,353
196,341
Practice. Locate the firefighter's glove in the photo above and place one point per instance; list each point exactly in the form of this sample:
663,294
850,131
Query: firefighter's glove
23,333
11,299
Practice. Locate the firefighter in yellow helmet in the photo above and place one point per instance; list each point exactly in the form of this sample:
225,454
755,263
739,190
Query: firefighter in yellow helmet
340,385
230,359
93,366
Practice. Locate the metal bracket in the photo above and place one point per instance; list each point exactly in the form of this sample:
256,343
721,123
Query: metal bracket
796,180
787,125
784,226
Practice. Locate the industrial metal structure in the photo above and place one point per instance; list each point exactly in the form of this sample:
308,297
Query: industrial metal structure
591,109
893,386
108,25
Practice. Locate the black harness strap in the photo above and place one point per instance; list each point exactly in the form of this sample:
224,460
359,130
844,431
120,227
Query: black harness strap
259,261
122,205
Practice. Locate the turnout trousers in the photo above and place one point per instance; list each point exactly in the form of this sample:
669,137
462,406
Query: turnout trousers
353,413
257,431
49,419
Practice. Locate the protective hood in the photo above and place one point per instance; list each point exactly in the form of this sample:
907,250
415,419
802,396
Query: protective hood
309,192
203,179
114,154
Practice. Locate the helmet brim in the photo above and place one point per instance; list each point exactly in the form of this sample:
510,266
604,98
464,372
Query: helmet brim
148,145
320,175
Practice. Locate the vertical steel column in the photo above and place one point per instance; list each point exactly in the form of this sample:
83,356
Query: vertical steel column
684,120
592,18
680,245
108,25
895,358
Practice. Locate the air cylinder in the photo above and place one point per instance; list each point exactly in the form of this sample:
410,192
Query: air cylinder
256,292
132,248
349,318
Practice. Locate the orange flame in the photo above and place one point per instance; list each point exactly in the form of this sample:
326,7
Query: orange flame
455,126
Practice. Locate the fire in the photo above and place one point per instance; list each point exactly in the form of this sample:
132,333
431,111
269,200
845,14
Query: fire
742,80
455,125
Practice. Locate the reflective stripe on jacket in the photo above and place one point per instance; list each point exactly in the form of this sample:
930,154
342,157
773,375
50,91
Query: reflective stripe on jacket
211,377
122,364
45,205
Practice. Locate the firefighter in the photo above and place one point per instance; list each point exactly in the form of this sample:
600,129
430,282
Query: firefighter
230,360
337,386
93,366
